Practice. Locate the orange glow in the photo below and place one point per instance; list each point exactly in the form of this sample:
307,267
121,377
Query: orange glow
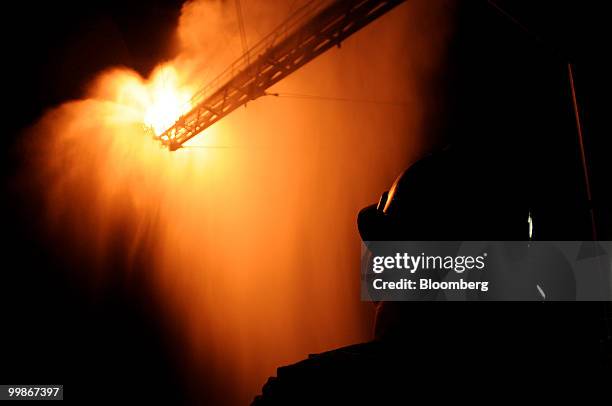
247,237
167,100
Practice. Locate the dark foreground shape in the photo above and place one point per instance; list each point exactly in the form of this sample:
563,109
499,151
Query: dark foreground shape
408,372
435,351
391,373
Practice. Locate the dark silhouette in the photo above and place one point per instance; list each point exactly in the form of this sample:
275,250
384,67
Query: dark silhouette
424,346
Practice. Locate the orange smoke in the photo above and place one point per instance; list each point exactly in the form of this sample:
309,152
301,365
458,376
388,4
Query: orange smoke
250,232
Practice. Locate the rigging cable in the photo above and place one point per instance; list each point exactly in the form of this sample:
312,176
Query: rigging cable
335,99
243,38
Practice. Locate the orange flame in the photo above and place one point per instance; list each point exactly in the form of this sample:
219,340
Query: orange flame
167,99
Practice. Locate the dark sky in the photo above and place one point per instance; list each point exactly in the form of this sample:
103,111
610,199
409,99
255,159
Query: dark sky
506,93
510,93
53,48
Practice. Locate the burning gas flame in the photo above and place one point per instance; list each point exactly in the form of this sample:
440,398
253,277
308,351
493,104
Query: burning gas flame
167,100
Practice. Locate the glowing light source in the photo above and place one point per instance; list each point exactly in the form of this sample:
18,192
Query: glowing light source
530,221
167,100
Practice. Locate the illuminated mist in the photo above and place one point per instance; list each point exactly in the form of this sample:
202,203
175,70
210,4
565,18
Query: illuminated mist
250,233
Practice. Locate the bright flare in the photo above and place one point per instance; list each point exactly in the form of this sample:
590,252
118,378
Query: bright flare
167,101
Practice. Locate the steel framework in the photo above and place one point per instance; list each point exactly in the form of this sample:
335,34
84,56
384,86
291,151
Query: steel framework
306,34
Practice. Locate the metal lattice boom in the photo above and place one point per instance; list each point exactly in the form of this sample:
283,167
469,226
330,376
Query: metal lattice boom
310,31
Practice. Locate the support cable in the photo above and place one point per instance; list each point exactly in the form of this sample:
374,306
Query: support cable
243,37
335,99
